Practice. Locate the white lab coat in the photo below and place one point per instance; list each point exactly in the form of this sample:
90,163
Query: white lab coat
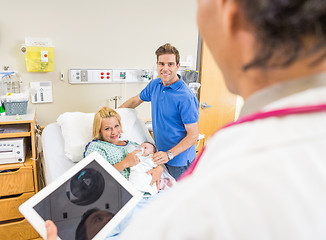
261,180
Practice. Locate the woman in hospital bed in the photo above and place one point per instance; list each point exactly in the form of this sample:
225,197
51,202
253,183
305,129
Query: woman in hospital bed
106,141
123,156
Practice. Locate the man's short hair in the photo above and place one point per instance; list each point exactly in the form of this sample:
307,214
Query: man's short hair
168,49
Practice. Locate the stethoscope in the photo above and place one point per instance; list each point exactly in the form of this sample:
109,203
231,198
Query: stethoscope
257,116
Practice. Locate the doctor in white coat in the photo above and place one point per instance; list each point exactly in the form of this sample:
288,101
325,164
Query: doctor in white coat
263,177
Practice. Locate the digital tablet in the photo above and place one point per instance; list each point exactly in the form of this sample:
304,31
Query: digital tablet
88,201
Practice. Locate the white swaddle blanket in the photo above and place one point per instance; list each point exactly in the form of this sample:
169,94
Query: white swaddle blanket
138,176
141,180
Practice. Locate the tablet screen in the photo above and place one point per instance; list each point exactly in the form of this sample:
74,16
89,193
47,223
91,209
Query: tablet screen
85,203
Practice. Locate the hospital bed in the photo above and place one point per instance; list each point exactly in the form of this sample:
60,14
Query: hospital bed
64,141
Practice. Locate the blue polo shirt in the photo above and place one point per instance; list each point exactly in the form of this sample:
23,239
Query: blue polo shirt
172,107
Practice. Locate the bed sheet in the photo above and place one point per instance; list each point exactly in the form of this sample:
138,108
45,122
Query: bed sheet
55,161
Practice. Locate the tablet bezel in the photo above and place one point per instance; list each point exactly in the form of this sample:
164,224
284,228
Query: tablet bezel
28,211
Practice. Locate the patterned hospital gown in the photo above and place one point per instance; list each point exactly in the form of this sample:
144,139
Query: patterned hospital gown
111,152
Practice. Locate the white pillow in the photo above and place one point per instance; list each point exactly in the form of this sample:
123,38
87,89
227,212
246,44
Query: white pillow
77,130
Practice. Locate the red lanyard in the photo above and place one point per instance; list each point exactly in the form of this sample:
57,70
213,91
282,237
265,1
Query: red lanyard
257,116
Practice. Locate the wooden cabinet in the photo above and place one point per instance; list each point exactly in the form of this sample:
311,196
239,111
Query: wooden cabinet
18,181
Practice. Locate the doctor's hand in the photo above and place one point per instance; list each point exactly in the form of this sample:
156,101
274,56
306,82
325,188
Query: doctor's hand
51,230
156,176
160,158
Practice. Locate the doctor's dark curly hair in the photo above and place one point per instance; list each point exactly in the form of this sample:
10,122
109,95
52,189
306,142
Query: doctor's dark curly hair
282,29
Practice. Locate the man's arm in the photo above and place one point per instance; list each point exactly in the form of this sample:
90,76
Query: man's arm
189,140
132,102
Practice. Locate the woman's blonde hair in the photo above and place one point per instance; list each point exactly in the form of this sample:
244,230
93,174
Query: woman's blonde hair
104,112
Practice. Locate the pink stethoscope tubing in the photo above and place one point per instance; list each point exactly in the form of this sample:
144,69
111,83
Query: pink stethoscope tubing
260,115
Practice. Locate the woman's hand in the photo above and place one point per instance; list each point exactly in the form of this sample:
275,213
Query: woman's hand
156,175
132,159
51,230
129,161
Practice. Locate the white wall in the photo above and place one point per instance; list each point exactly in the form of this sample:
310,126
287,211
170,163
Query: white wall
94,34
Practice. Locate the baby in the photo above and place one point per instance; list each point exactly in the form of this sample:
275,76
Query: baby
138,176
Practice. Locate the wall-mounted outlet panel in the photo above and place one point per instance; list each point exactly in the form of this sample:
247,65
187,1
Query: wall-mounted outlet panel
90,76
79,76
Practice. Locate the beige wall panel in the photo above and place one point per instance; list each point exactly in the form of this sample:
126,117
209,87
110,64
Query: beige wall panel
94,34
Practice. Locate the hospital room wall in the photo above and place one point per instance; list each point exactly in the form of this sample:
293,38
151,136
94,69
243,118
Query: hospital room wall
94,34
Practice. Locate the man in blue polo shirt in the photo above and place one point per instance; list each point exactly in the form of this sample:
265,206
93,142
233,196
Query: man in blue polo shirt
174,113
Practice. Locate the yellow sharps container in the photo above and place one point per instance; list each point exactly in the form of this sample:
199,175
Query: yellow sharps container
39,59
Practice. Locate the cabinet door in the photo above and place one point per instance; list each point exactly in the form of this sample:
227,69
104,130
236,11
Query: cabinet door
221,103
9,206
19,230
16,181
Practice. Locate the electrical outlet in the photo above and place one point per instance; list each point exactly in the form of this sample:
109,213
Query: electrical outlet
83,76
